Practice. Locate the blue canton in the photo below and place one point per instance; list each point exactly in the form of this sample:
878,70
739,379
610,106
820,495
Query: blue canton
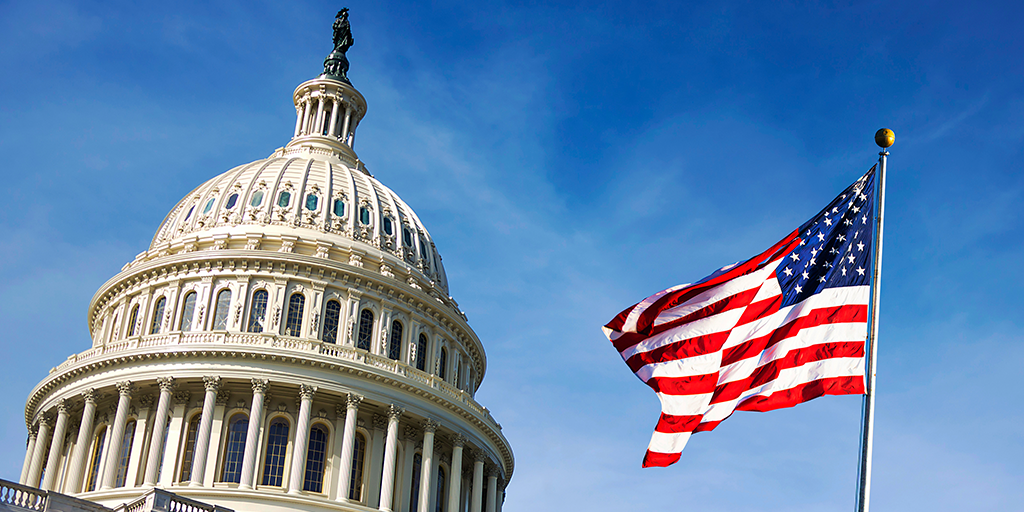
835,245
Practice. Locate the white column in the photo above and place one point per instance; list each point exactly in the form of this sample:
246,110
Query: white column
216,436
334,117
348,446
306,393
30,450
73,483
252,437
156,442
170,456
212,384
344,126
387,484
56,445
454,491
298,120
476,502
429,427
319,119
492,490
42,442
113,451
305,117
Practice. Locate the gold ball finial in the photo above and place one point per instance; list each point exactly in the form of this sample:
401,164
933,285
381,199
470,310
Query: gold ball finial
885,138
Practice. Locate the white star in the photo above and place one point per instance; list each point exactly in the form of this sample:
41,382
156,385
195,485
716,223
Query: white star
828,265
821,279
814,251
856,234
805,275
795,256
821,237
847,222
833,251
844,270
835,209
856,209
787,271
851,258
803,243
863,197
850,205
864,219
860,246
828,221
812,261
842,238
860,271
808,232
798,289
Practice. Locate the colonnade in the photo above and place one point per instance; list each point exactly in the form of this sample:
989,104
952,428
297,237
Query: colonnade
312,118
162,448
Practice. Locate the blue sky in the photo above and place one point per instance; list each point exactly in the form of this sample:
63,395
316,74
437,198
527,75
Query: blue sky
569,161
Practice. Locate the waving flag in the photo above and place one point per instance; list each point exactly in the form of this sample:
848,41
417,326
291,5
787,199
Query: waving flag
784,327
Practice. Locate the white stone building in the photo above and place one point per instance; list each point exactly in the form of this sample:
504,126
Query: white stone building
287,342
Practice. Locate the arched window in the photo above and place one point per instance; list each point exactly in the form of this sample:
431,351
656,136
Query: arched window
258,311
388,228
312,201
277,445
189,451
365,329
407,237
133,321
332,315
442,363
395,344
234,448
316,453
220,311
364,215
293,324
414,493
187,309
232,200
355,482
209,205
125,454
339,208
439,499
284,199
97,454
421,353
158,315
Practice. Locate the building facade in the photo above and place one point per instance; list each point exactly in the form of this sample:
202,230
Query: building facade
287,342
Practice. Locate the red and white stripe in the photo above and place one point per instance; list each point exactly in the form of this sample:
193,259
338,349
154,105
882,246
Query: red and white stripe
725,344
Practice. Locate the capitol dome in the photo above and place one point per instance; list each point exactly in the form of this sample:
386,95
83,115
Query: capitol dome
286,342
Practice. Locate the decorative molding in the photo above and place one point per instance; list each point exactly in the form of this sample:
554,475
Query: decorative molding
182,397
259,385
211,383
458,439
395,412
380,422
306,392
146,401
353,400
223,396
430,426
90,395
125,388
166,383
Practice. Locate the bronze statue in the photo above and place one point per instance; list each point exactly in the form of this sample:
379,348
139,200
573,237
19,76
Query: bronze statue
336,64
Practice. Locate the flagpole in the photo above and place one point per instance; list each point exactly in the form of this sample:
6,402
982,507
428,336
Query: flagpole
884,138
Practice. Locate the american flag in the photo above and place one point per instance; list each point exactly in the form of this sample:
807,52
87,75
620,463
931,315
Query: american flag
784,327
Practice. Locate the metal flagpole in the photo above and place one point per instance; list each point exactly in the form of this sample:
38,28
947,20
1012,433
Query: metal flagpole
884,138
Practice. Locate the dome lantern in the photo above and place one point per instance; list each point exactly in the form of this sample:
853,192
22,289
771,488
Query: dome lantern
327,108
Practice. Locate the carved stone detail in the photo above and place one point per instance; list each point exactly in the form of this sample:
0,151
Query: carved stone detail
166,383
223,396
182,397
430,425
306,391
259,385
380,422
125,388
211,382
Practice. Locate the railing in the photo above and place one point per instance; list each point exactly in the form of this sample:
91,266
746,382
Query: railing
159,500
22,496
346,353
